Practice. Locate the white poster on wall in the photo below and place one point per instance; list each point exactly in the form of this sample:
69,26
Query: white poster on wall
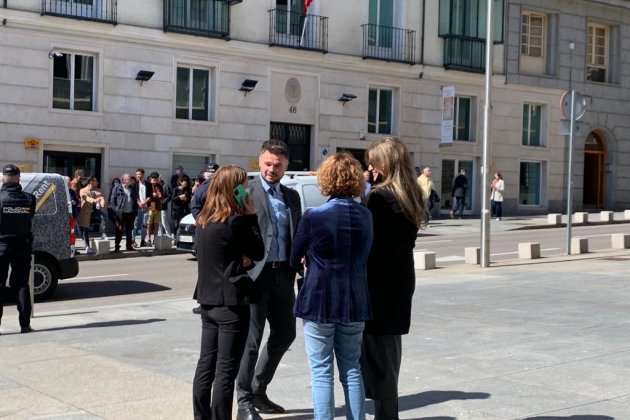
448,112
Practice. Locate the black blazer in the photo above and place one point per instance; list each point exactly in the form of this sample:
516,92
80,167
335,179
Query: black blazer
219,250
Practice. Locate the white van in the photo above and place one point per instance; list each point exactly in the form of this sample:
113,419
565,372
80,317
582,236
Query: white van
53,232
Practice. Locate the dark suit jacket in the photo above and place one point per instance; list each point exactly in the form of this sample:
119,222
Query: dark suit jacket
391,273
291,199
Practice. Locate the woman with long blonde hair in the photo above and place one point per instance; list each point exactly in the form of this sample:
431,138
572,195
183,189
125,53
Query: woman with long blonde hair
227,238
395,202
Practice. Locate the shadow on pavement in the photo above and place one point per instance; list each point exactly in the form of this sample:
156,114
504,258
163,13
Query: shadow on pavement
577,417
96,289
121,323
410,402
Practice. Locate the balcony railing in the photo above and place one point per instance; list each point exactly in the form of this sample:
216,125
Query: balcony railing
209,18
464,53
96,10
297,30
389,44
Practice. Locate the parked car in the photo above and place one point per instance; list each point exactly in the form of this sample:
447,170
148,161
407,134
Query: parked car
303,182
53,232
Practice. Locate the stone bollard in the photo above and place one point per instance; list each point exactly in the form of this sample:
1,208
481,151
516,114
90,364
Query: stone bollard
529,250
579,246
620,241
554,218
626,214
100,246
424,260
606,216
580,217
472,255
163,242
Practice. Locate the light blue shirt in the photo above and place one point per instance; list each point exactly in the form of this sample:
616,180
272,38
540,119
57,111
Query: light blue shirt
279,215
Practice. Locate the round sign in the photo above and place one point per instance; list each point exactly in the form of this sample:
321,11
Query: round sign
324,152
579,107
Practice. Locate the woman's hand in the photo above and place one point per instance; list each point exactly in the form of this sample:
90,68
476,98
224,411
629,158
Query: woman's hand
246,261
248,206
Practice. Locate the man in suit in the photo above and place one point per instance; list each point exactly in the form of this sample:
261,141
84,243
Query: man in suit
278,210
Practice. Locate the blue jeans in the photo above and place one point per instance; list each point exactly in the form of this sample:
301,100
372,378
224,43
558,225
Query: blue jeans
345,340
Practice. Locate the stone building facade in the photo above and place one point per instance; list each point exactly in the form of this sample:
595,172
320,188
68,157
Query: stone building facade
227,74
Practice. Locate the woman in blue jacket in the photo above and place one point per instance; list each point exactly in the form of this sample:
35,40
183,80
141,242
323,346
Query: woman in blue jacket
333,242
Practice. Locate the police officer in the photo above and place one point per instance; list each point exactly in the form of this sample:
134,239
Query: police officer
16,214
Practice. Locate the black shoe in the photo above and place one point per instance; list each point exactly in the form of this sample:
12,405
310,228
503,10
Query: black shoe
26,330
265,405
248,414
143,243
117,248
197,310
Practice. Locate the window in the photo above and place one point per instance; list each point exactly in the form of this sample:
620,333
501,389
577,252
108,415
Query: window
380,111
462,120
532,125
73,81
193,94
533,35
597,52
530,183
289,17
381,21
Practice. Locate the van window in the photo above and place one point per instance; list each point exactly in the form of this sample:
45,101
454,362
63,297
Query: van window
312,196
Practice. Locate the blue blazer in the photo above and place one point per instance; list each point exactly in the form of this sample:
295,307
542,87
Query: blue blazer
335,239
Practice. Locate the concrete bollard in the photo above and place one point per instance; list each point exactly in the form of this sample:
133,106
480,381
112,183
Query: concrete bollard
163,242
626,214
580,217
100,246
606,216
579,246
472,255
529,250
620,241
424,260
554,218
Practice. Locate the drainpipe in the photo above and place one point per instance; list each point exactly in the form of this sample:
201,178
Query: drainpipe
421,35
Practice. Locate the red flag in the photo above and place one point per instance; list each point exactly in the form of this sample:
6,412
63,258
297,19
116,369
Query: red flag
307,3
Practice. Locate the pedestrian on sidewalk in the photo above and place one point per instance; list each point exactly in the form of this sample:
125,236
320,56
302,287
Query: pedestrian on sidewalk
228,239
496,195
124,204
458,192
333,242
90,199
426,186
397,215
143,192
17,209
155,192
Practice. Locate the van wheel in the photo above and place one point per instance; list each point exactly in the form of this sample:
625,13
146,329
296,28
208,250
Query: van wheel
45,278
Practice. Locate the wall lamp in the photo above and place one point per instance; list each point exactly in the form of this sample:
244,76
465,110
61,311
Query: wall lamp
346,97
248,85
144,76
54,53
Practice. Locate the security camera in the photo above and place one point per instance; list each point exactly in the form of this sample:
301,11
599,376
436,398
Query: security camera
54,53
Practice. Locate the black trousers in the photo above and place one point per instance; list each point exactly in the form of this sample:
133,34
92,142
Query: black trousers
380,366
223,336
125,223
275,306
20,267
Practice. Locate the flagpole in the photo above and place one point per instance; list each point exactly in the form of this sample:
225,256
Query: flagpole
307,4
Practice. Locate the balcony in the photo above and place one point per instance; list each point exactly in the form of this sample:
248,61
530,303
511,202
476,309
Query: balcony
297,30
389,44
464,53
209,18
95,10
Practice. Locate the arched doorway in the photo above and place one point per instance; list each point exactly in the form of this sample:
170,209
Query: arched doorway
594,171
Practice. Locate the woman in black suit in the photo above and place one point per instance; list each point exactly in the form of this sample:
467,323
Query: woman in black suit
395,202
227,238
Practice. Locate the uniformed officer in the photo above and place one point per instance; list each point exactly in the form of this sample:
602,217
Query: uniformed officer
16,241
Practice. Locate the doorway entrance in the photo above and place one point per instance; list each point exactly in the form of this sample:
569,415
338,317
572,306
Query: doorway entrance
450,168
65,163
594,187
298,138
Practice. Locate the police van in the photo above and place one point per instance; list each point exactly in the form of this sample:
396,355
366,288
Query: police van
53,232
